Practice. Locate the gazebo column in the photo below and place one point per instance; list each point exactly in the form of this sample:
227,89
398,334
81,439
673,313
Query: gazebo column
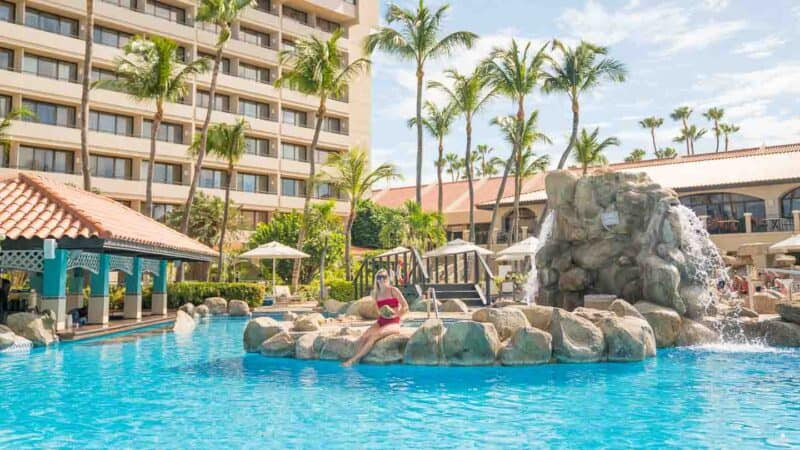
35,280
159,302
133,292
75,294
54,284
98,298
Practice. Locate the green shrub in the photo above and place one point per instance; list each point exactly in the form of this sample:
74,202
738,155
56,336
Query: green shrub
341,290
197,291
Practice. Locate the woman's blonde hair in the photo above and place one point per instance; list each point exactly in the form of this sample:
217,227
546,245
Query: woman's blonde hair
375,287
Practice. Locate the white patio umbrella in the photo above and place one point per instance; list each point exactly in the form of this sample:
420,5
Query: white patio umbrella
507,258
456,247
392,252
274,251
788,245
527,247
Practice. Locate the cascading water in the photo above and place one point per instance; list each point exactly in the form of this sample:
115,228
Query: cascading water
532,284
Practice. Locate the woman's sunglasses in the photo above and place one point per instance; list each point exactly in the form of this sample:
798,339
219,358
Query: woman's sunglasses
380,277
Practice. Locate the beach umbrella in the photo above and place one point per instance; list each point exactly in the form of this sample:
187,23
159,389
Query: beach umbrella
788,245
507,258
457,247
527,247
394,251
274,251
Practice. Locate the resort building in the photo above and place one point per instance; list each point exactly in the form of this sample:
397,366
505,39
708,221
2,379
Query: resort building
41,52
744,196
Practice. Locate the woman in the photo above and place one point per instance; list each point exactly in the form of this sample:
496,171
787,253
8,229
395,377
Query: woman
384,294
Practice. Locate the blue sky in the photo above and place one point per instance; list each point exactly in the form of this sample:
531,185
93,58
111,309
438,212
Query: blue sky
737,54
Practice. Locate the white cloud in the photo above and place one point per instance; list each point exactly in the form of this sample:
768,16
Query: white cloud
715,5
761,48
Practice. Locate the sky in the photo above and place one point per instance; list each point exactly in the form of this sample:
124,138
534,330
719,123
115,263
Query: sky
736,54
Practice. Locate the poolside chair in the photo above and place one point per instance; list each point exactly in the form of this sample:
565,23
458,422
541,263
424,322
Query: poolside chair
282,294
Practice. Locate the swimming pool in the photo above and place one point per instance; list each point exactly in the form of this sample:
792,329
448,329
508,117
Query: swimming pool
201,391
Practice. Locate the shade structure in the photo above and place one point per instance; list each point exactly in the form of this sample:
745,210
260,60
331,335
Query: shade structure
274,251
788,245
457,247
527,247
507,258
394,251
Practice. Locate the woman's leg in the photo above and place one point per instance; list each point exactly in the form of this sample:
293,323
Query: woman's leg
369,341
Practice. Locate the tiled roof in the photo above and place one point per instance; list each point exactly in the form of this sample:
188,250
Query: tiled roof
32,206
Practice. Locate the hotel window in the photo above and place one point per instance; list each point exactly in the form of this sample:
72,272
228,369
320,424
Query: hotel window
725,211
167,132
257,146
6,58
293,188
213,178
334,125
129,4
49,113
5,105
224,63
160,211
294,152
254,37
288,45
260,74
221,102
111,123
164,172
249,220
8,11
45,160
264,5
127,203
296,14
112,38
4,156
294,117
165,11
103,74
110,167
50,68
322,156
251,108
790,202
326,191
248,182
51,22
327,25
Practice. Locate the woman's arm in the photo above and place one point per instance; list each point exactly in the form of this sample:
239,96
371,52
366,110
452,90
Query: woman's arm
403,308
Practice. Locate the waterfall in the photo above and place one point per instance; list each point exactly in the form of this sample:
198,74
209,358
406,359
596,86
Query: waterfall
705,266
532,284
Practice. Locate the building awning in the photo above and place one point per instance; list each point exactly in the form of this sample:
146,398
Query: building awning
34,208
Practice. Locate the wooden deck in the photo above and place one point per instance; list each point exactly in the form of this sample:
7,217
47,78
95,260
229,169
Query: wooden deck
116,324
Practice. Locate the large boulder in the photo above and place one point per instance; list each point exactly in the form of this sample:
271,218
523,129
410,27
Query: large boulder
335,347
280,345
389,350
366,308
33,328
666,323
184,323
471,343
309,322
216,305
238,308
454,306
779,333
574,279
527,346
560,187
332,306
593,315
695,333
790,312
259,330
627,338
304,347
425,345
624,309
505,320
7,337
575,339
188,308
202,311
424,305
538,316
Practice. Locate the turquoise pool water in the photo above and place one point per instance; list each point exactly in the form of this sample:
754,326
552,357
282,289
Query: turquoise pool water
202,391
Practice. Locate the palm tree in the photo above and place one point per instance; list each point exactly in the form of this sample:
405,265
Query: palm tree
222,14
423,230
320,69
484,161
453,166
473,161
527,165
580,69
682,114
88,40
636,155
438,122
228,143
690,134
514,73
352,176
715,115
468,95
666,153
728,129
150,70
652,123
417,39
589,150
5,124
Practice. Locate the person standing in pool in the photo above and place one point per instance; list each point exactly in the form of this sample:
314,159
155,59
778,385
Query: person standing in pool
392,306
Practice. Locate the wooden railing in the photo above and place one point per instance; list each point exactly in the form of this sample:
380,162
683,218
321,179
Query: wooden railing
405,269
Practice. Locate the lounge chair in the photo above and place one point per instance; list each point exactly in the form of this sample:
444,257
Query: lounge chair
282,294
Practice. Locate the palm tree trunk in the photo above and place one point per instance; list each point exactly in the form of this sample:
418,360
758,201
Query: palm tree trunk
716,133
517,191
220,263
688,140
420,75
301,237
85,88
469,181
498,199
348,239
726,142
653,135
148,202
201,152
439,206
573,137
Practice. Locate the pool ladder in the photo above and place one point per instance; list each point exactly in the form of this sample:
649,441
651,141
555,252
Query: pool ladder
434,301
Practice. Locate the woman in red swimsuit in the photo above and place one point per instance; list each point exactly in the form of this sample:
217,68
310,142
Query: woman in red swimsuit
384,294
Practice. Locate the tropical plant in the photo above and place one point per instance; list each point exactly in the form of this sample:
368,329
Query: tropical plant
715,115
473,161
666,153
438,121
682,114
690,135
370,219
418,228
727,129
514,73
528,164
317,68
589,149
453,165
86,87
579,70
468,95
151,70
205,223
417,39
652,123
486,164
352,176
636,155
5,124
222,14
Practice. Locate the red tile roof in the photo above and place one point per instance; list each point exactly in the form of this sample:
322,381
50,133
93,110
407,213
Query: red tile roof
32,206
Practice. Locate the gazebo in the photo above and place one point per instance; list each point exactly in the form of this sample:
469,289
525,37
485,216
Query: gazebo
59,234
